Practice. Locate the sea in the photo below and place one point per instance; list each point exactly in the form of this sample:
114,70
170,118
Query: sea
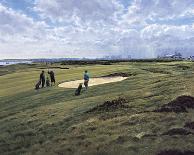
9,62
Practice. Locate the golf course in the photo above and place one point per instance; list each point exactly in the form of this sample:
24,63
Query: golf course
149,110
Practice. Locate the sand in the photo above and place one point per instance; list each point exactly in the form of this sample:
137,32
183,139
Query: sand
92,82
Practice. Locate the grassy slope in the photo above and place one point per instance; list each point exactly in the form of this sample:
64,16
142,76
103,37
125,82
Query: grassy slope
53,121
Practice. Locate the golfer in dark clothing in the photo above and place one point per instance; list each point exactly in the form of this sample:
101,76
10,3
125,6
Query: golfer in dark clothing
42,79
52,77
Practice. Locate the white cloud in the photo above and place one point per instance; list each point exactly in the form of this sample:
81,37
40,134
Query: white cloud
16,26
95,28
158,9
158,31
167,38
78,10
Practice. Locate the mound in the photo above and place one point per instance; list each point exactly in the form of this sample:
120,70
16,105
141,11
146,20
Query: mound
175,109
117,74
189,125
180,104
156,70
177,131
175,152
87,62
183,101
110,105
183,67
57,67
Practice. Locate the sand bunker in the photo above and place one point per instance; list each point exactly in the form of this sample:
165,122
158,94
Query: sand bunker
92,82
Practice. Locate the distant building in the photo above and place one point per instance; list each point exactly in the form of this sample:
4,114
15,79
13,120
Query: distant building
191,58
176,56
117,57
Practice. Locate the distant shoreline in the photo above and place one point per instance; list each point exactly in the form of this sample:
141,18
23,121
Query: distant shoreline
7,63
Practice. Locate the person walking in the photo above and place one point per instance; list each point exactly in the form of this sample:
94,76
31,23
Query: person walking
52,77
42,79
86,79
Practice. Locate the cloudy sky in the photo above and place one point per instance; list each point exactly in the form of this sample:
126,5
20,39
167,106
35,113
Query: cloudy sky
95,28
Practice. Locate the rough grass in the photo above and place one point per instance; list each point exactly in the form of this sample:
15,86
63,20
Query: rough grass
54,121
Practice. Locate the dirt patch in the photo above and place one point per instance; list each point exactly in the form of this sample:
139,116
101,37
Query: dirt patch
175,109
110,105
87,62
121,139
121,74
156,70
183,101
189,125
64,68
54,67
178,105
177,131
183,67
3,72
175,152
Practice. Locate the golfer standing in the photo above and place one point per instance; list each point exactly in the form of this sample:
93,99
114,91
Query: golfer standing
42,79
52,77
86,79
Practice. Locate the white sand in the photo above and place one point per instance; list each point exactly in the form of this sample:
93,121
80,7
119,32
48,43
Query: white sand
92,82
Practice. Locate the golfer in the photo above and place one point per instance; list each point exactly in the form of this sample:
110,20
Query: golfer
42,79
52,77
86,79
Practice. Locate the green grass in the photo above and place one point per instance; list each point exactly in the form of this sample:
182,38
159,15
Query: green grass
54,121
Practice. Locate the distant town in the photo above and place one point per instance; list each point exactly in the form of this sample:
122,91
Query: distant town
175,56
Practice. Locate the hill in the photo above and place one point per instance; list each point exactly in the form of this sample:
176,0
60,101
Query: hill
115,118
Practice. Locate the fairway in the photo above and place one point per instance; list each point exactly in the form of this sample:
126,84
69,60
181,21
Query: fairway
122,117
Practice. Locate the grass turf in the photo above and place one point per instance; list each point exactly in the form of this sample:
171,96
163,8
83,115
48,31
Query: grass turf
54,121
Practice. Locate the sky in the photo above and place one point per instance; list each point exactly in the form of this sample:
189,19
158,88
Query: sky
95,28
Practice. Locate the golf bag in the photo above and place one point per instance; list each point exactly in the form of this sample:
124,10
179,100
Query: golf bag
78,90
37,86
